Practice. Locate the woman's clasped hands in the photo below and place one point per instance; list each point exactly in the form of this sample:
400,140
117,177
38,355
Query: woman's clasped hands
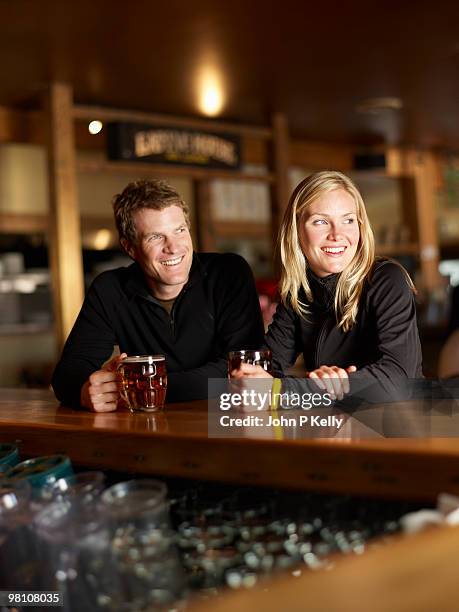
331,379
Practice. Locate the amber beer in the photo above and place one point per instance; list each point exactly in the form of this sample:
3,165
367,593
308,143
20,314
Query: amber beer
144,382
262,357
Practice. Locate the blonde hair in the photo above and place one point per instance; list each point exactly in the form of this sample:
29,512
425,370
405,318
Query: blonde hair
294,264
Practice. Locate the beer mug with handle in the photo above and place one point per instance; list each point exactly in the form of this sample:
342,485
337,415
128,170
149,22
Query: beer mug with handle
144,382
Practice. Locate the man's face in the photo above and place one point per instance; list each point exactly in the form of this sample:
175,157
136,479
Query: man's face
163,249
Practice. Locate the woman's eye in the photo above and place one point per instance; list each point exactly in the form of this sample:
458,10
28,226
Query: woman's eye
349,221
319,222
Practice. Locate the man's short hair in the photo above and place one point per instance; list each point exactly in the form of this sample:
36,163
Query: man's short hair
151,193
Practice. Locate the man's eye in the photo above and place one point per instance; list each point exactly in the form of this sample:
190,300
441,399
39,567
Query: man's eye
154,237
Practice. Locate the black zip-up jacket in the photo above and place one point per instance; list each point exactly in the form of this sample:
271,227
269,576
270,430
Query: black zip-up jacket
217,311
383,343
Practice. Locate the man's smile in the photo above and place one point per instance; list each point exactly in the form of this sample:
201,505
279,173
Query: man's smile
173,262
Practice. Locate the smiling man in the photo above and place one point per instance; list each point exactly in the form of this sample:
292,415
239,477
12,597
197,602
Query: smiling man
193,308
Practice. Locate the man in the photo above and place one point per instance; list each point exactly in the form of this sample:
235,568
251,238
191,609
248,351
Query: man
193,308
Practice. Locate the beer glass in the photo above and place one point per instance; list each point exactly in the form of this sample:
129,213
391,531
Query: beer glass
138,504
76,555
83,487
148,567
261,357
19,566
144,382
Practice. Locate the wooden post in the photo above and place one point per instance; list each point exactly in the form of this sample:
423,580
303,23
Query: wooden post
424,181
419,200
65,239
280,156
204,219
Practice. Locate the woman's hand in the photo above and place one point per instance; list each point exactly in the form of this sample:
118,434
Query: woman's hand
332,379
247,370
251,378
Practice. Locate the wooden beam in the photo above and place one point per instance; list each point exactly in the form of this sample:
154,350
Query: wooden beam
65,240
109,114
204,219
21,223
424,184
420,177
280,164
96,166
254,151
236,229
21,126
400,163
321,156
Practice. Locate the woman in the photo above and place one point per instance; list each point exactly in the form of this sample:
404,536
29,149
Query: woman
352,315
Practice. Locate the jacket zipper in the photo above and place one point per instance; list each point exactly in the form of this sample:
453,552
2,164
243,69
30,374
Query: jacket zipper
172,314
319,340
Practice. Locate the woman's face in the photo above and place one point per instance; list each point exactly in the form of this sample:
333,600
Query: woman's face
329,232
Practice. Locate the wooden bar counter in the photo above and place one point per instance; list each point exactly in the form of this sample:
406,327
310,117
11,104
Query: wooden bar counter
175,443
409,574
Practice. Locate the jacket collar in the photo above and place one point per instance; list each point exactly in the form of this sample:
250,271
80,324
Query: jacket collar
323,288
135,284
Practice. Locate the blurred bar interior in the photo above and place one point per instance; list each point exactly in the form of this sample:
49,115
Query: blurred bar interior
384,115
298,87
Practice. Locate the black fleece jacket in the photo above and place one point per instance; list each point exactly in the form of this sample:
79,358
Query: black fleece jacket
383,343
217,311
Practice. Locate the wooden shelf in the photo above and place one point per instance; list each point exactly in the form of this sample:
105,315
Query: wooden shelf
236,229
23,223
141,169
392,250
19,329
88,113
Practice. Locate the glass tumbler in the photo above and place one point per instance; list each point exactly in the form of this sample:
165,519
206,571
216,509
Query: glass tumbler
76,554
19,562
149,571
261,357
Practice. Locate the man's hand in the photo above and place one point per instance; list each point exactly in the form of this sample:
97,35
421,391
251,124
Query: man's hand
100,393
332,379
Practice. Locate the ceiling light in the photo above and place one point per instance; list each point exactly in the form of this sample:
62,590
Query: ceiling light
211,101
210,92
375,106
95,127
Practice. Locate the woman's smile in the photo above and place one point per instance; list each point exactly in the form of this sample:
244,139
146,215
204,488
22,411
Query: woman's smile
334,251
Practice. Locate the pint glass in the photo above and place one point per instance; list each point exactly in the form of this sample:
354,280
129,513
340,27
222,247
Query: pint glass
144,382
262,357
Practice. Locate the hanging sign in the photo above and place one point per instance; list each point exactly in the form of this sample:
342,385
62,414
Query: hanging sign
171,145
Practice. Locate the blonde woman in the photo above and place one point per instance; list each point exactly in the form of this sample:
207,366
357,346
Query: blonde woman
352,315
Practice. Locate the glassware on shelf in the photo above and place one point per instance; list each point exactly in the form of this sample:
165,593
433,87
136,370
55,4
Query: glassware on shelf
19,561
148,567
